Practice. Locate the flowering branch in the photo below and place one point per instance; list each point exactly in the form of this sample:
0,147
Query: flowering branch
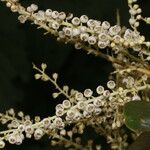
127,50
74,110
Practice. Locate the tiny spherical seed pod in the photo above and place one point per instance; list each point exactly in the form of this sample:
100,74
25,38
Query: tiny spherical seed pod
29,129
67,31
37,119
22,18
106,93
117,29
132,12
40,15
69,16
139,10
62,16
98,29
12,139
105,25
81,105
29,9
28,135
59,106
83,29
66,104
21,127
111,84
84,18
4,121
78,45
147,20
59,112
86,114
58,123
114,30
37,76
55,95
46,122
2,144
97,102
102,45
55,14
11,111
63,132
14,8
88,92
100,89
91,23
69,120
61,34
34,7
75,32
18,140
117,39
136,24
92,40
90,108
128,34
132,21
27,122
8,4
71,114
9,126
138,17
55,76
103,37
79,96
14,123
75,21
77,116
55,25
135,6
97,111
84,36
137,48
48,12
38,133
43,66
27,118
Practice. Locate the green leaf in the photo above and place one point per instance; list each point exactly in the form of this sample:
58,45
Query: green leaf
141,143
137,115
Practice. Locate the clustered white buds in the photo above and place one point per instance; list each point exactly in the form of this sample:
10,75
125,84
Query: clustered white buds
80,107
83,30
135,12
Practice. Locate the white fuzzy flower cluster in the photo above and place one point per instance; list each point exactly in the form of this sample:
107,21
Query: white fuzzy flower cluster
78,108
105,106
100,108
82,31
136,15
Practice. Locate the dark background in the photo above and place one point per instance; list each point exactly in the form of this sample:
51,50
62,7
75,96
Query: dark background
20,45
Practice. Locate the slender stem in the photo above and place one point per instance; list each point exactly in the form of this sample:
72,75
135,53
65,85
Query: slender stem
115,60
77,146
52,81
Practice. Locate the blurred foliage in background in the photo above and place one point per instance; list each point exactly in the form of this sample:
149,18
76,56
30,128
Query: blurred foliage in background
20,45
